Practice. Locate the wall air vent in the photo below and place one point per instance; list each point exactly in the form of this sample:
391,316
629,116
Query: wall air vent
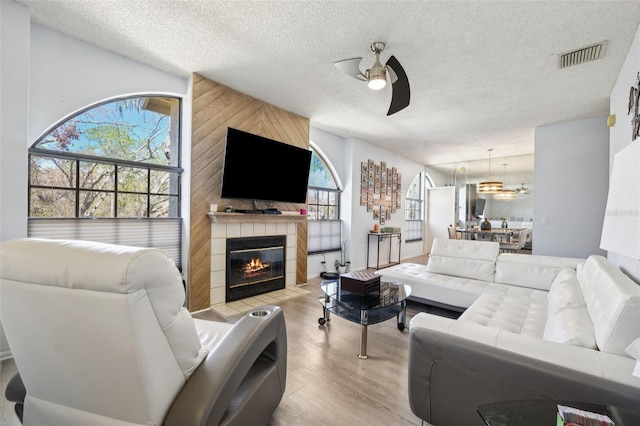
579,56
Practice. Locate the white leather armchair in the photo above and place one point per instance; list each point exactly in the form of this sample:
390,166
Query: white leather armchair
100,336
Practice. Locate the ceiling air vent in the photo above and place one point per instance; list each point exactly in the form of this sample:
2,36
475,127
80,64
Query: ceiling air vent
585,54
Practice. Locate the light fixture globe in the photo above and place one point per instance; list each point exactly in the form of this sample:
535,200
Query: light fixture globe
505,194
489,187
377,77
377,74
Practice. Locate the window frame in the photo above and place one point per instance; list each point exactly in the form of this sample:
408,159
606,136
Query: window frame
324,223
34,150
77,158
424,182
163,232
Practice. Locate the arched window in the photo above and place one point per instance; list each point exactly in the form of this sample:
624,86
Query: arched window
97,174
324,233
414,207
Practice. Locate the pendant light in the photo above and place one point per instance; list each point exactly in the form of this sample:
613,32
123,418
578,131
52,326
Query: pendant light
489,186
505,194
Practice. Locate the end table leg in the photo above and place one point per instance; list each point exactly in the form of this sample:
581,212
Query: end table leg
402,315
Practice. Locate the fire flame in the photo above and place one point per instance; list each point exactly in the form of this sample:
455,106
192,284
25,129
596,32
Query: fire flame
255,265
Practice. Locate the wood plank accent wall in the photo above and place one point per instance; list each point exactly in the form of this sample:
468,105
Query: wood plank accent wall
216,107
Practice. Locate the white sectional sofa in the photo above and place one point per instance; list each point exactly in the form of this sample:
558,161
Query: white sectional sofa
459,271
532,327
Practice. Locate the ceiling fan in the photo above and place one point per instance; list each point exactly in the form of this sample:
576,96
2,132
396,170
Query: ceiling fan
522,190
376,76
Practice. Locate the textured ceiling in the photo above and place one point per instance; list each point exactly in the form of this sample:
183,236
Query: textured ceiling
483,74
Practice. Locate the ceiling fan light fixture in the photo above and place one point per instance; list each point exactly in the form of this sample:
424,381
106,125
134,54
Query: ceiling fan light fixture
377,75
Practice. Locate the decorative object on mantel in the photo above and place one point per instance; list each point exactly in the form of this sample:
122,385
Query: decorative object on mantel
489,186
634,98
380,189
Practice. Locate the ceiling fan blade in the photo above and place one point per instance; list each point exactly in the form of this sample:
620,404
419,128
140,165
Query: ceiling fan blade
351,67
400,92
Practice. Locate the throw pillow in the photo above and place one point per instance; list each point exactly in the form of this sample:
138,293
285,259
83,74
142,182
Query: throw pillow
572,326
564,293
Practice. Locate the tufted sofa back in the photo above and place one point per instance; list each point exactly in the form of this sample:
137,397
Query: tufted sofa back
532,271
464,258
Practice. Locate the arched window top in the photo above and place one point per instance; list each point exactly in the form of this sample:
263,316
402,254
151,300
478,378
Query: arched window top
136,129
321,175
415,189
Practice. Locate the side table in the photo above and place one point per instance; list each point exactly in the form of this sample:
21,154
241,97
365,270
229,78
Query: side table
379,237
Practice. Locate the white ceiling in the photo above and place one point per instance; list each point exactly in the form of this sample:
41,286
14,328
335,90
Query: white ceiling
483,74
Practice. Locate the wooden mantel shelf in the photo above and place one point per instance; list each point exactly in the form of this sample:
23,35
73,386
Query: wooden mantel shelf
242,217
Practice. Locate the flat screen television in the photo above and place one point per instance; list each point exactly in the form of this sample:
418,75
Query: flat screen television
259,168
479,209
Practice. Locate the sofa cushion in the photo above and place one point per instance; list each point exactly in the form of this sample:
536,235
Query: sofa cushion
446,289
533,271
564,292
613,303
571,326
464,258
518,315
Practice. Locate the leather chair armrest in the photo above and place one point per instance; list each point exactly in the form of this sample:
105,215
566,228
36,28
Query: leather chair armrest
210,390
450,376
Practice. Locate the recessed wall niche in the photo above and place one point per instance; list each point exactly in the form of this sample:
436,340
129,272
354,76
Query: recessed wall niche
379,189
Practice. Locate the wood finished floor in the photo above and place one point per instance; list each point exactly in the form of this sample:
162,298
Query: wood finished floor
327,384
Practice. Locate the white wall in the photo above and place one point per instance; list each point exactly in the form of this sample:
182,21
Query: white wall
521,207
362,221
438,178
346,156
15,39
67,75
620,136
14,90
571,181
47,76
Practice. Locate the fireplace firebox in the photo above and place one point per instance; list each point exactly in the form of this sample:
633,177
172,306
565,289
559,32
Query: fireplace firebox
254,265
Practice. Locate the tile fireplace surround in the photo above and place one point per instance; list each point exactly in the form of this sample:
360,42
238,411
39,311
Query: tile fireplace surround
235,225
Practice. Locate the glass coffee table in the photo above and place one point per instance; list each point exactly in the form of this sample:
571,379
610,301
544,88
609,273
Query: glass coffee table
543,412
390,302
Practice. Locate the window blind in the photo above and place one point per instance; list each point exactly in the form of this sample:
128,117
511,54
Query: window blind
161,233
324,235
413,230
